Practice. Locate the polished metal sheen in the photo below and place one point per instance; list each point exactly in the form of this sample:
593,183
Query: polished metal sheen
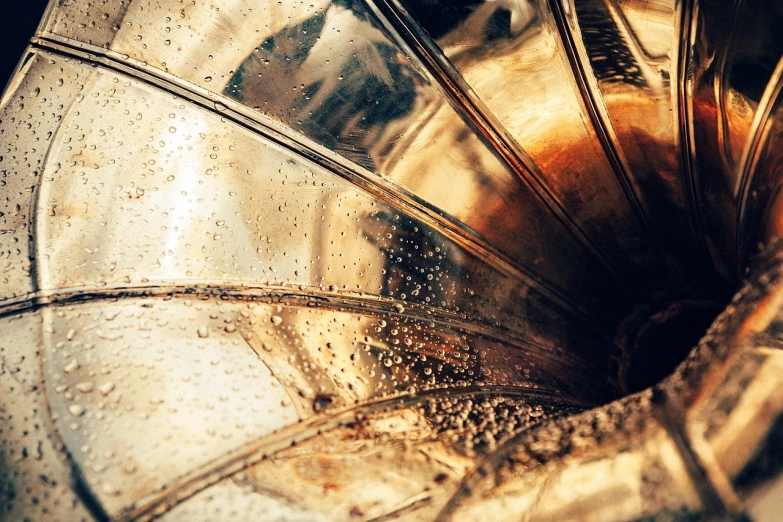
393,260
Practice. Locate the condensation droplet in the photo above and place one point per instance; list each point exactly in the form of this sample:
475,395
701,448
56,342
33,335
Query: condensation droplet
85,387
109,489
106,388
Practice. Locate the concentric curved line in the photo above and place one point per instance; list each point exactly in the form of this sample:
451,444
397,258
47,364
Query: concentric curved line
268,445
684,85
461,96
270,293
391,194
579,65
754,147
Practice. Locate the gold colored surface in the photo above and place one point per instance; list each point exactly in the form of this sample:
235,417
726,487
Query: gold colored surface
391,260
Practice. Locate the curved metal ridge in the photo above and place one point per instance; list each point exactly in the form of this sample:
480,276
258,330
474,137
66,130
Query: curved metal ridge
715,490
758,136
375,185
80,485
35,247
271,293
457,90
271,444
724,133
729,71
31,239
577,59
684,91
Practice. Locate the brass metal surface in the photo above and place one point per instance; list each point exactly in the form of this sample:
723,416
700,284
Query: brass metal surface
392,260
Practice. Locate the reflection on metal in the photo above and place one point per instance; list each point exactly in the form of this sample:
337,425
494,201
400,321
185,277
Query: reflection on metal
393,259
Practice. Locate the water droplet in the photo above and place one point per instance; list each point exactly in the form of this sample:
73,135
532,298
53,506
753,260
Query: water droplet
113,336
276,319
71,366
85,387
106,388
203,332
108,489
77,410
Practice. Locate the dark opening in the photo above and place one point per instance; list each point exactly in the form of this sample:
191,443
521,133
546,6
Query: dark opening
660,341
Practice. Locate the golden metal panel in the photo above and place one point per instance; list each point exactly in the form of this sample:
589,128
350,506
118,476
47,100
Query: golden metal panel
381,259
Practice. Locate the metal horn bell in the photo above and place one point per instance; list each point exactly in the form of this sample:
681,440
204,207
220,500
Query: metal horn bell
393,260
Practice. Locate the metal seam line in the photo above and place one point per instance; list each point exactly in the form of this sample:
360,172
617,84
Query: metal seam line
463,99
374,185
753,149
717,495
272,294
600,119
684,85
270,444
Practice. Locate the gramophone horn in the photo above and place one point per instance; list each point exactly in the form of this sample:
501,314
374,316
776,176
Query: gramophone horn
393,260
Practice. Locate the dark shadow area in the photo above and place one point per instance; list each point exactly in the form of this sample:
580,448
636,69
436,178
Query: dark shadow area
21,20
664,341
